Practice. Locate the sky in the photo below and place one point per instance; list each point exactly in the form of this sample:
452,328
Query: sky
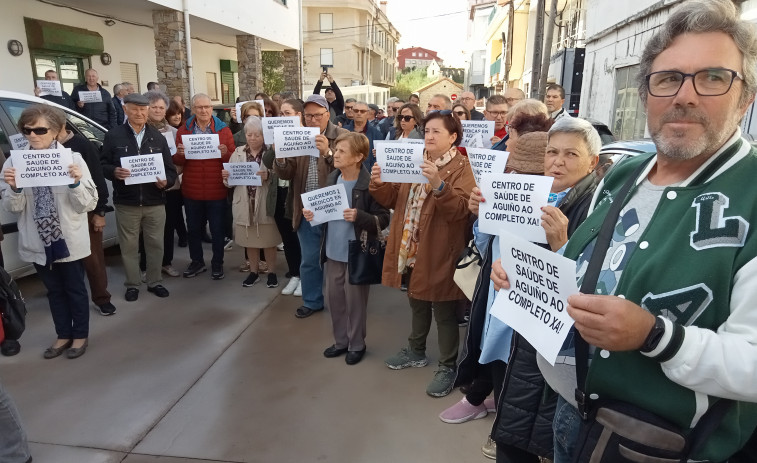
438,25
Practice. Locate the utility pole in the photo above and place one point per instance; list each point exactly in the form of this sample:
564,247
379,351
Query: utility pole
546,54
538,50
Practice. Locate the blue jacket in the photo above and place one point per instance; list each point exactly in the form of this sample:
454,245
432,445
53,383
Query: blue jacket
373,134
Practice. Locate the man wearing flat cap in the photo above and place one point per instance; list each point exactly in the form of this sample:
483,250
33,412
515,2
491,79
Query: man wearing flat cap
138,206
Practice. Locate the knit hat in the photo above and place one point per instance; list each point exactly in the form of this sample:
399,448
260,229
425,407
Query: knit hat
527,153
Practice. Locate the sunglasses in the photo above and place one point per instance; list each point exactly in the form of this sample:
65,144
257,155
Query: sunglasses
349,107
460,113
360,111
36,130
405,118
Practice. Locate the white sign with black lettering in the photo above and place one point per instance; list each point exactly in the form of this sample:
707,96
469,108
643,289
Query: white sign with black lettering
171,139
472,128
243,173
49,87
513,202
91,97
536,304
411,141
270,124
144,168
201,146
400,162
42,167
296,142
19,141
326,204
483,161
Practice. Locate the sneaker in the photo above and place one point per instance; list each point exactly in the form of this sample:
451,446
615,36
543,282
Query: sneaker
463,411
245,267
406,358
262,267
490,448
441,385
298,290
251,279
273,281
280,247
106,309
228,243
170,271
288,290
490,404
216,272
194,269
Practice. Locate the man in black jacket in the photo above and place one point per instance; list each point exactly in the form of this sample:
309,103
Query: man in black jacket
138,206
333,96
119,92
101,112
63,100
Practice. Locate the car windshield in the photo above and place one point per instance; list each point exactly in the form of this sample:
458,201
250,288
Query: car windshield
14,108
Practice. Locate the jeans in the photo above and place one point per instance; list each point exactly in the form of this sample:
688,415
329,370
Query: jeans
13,445
566,426
311,273
198,213
67,295
292,251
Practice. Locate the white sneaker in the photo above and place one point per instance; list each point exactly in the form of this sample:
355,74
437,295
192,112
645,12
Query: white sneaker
170,271
289,289
298,291
280,247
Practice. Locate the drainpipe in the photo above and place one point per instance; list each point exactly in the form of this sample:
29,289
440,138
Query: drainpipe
301,90
188,40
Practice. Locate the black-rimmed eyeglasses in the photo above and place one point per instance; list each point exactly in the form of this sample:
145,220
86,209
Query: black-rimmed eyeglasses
707,82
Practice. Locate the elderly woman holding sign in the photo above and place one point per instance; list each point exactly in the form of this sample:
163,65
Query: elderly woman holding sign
254,225
53,232
427,234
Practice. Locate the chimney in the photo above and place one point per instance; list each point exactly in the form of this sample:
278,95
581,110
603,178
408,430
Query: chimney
382,5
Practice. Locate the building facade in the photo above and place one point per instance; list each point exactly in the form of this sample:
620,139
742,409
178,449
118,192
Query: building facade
441,86
417,57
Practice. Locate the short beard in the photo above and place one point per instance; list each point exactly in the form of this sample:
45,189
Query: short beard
709,142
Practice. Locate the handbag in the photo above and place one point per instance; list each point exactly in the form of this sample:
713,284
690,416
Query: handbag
365,260
12,307
613,431
467,269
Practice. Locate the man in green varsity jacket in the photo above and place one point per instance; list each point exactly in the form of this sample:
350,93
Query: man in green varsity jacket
674,316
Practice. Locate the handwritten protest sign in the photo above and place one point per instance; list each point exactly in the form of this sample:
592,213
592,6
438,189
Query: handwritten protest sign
243,173
270,123
513,203
535,305
412,141
171,139
293,142
472,128
483,161
19,141
202,146
238,108
49,87
42,167
400,162
145,168
91,97
327,204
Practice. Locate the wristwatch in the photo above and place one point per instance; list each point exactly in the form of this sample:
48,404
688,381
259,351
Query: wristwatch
654,336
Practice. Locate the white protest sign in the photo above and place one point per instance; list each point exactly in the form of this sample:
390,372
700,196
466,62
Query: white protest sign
471,128
536,303
513,203
144,168
171,139
201,146
483,161
477,141
400,162
19,141
91,97
327,204
411,141
243,173
49,87
42,167
270,123
293,142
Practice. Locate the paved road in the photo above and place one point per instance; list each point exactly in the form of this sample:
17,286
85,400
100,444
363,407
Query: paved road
221,373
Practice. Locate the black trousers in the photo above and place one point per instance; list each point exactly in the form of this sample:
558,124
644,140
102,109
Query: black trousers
292,251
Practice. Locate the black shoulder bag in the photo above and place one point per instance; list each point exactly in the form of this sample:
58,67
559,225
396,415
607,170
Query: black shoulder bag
365,260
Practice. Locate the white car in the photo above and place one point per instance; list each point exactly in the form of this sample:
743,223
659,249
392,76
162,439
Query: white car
12,105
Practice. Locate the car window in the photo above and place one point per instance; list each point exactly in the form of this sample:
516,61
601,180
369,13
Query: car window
75,122
14,108
5,145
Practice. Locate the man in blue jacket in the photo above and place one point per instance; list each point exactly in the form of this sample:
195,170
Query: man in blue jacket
360,114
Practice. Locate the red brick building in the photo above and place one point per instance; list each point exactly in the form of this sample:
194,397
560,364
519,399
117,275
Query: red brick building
416,57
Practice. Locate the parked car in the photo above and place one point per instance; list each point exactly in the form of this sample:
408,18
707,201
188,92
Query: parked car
604,132
224,112
12,104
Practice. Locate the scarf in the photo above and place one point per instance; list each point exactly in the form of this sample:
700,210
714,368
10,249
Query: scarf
48,223
158,125
417,196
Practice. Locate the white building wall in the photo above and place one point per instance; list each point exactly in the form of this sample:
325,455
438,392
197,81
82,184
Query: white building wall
206,57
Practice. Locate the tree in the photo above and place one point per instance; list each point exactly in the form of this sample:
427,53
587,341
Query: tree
273,72
410,81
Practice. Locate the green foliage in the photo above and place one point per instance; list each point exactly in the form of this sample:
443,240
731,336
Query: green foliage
408,81
273,72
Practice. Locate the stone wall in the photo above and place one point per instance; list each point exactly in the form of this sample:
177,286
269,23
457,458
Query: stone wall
292,72
171,52
250,66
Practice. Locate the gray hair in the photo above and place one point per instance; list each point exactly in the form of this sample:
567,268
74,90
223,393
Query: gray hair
155,95
350,100
196,97
447,100
580,127
117,89
253,123
362,103
698,17
391,100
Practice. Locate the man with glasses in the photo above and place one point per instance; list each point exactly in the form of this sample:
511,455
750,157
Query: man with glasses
393,106
673,320
496,110
360,123
514,95
468,99
555,99
439,102
308,173
346,118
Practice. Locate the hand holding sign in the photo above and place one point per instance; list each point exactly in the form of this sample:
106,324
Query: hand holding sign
202,146
610,322
326,204
483,161
474,129
513,203
49,87
48,167
242,173
145,168
401,163
90,97
292,142
270,124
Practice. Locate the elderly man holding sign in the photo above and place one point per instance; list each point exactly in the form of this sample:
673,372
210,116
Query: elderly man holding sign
52,224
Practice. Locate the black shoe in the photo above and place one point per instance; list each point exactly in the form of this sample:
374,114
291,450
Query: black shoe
52,352
305,312
217,272
158,290
76,352
131,294
272,282
10,347
182,243
333,351
194,269
465,388
251,279
354,356
106,309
